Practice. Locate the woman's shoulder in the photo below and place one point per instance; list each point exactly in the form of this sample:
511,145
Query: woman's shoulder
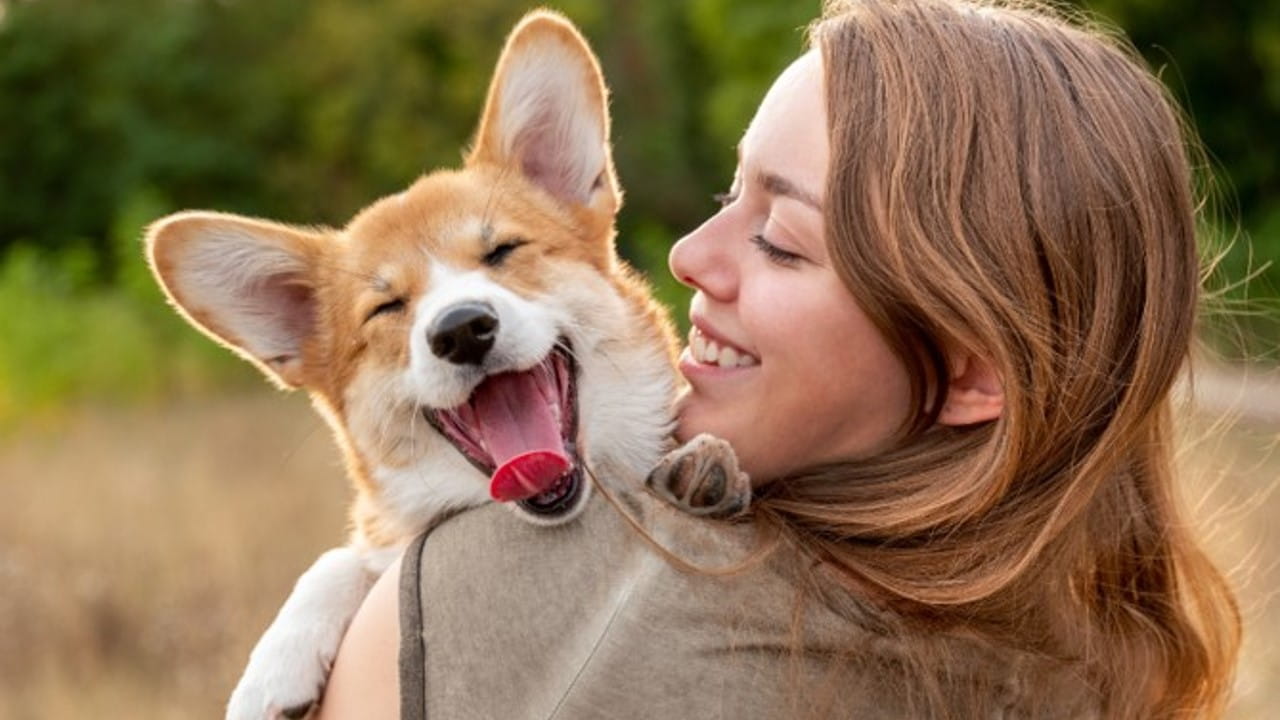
594,615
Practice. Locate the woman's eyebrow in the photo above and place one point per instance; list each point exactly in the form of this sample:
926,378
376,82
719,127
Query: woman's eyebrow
775,184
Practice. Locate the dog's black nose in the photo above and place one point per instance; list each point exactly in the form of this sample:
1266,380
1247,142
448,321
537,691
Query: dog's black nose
464,333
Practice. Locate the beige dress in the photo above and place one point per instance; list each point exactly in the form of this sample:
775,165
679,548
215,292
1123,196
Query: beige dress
504,620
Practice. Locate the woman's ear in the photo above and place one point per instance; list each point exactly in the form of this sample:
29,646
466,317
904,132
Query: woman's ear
975,393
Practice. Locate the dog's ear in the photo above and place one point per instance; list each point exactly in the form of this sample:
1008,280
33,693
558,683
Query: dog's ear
247,283
547,114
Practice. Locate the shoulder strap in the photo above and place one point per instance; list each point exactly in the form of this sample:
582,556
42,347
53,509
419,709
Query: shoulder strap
413,648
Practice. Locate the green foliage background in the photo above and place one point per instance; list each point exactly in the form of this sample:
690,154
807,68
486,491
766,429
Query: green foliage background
114,113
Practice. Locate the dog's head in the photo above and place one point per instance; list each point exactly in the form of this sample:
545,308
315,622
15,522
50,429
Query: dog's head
474,335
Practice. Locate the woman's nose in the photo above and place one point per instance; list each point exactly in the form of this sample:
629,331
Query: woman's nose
701,260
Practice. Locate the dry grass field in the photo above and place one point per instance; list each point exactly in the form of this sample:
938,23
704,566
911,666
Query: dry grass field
142,551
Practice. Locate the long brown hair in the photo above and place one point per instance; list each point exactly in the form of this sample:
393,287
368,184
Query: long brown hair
1010,183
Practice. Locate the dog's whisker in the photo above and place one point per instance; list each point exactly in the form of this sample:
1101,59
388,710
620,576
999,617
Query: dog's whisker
413,432
486,216
567,349
598,349
368,277
392,408
601,352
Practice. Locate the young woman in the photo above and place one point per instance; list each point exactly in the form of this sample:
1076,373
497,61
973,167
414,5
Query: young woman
958,257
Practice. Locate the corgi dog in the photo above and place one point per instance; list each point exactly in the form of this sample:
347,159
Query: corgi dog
472,338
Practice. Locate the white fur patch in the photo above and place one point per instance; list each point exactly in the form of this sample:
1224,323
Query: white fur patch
441,481
526,333
289,665
463,231
429,476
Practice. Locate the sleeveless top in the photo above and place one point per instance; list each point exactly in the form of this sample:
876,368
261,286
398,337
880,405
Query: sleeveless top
501,619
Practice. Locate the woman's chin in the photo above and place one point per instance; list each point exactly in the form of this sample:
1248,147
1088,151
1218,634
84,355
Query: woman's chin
695,416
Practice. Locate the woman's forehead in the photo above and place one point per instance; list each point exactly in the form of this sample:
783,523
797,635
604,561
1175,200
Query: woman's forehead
788,136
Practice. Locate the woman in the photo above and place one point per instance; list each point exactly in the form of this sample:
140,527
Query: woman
959,254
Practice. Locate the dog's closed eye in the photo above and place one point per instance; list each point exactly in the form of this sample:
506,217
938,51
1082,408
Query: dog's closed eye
391,306
496,256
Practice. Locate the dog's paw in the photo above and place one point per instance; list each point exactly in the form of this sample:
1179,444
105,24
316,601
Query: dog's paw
285,676
702,478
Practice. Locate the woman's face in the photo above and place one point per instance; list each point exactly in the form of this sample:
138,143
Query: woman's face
781,361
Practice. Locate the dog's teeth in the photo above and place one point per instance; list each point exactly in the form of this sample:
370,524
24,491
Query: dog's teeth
728,357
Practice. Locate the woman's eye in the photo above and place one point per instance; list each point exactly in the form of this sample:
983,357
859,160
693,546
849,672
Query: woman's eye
390,306
775,253
499,253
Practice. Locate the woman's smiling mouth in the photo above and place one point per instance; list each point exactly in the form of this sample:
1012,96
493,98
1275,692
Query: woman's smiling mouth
707,350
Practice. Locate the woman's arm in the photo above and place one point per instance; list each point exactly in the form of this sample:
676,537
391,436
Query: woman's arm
365,682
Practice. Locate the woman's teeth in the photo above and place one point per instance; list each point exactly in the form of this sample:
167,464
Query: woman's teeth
708,351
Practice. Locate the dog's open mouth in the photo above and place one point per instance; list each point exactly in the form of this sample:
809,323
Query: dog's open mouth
520,427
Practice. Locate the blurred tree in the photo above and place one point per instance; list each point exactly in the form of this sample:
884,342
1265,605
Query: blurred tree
306,110
1221,60
309,109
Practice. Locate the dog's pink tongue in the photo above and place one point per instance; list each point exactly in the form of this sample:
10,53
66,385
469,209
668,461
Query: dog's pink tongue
522,433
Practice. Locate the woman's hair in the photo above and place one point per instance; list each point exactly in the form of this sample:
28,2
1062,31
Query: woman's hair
1006,183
